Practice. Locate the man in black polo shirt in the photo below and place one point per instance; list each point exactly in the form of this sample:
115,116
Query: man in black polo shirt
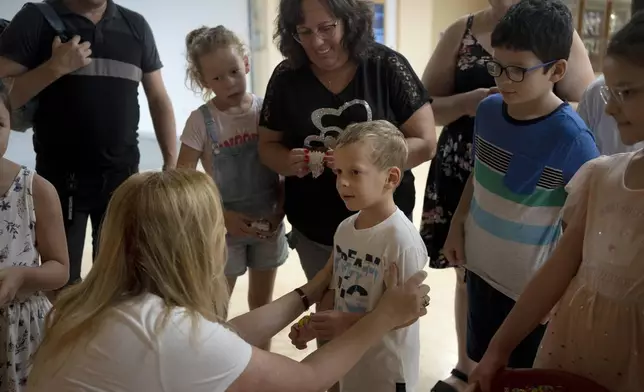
85,127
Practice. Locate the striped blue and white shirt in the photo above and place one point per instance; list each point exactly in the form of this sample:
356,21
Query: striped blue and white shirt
521,169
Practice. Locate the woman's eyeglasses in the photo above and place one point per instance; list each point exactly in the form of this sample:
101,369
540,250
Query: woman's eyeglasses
514,73
324,32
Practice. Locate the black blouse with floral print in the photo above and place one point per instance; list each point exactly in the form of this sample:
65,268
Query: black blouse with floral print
453,162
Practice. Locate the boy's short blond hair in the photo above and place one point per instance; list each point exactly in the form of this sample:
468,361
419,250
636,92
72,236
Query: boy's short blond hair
389,148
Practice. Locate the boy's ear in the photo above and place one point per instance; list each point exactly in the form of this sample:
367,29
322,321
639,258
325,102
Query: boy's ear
558,70
393,178
246,64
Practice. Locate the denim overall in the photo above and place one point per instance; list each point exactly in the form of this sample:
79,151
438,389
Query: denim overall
248,187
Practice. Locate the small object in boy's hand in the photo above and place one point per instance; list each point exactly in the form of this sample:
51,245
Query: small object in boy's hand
303,321
301,333
261,225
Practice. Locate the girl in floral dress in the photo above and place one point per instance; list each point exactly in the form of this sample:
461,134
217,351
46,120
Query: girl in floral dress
33,258
596,273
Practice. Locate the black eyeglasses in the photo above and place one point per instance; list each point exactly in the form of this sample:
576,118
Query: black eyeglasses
324,32
514,73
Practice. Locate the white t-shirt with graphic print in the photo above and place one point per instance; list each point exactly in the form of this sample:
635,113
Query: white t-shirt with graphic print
231,130
361,258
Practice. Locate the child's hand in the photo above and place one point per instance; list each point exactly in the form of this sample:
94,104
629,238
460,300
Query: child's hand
330,324
238,224
11,280
491,363
302,333
294,335
275,221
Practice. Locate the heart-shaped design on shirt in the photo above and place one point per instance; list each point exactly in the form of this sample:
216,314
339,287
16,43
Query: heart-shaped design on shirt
328,135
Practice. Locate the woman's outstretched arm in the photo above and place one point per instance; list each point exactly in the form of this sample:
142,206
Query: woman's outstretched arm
268,372
257,327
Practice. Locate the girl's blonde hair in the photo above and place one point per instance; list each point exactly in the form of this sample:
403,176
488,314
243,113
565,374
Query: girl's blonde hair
163,234
202,41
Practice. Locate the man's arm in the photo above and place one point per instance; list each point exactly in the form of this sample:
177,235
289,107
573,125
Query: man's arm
159,102
26,85
162,115
10,69
20,56
66,58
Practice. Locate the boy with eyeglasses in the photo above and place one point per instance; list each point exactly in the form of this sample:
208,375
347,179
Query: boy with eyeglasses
527,145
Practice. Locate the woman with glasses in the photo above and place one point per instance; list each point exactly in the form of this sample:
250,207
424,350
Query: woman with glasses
458,78
335,74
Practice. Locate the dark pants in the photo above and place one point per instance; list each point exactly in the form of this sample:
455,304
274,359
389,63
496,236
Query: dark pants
89,197
75,230
487,309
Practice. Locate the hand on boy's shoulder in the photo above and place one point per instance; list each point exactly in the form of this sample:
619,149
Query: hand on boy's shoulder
491,101
473,99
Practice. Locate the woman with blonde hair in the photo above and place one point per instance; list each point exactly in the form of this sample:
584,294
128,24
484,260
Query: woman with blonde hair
151,314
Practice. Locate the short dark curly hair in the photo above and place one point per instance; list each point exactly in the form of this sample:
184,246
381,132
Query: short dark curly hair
356,17
543,27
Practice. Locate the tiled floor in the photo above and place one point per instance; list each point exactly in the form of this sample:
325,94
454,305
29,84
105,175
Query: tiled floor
438,353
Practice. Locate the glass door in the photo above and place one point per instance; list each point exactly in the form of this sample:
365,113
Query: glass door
596,21
593,30
620,13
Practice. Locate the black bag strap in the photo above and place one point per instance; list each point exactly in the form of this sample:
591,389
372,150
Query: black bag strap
48,11
52,18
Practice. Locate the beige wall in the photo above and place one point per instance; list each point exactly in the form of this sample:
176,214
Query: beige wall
418,24
266,57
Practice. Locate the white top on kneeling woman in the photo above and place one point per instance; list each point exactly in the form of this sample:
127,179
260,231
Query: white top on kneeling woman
133,351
